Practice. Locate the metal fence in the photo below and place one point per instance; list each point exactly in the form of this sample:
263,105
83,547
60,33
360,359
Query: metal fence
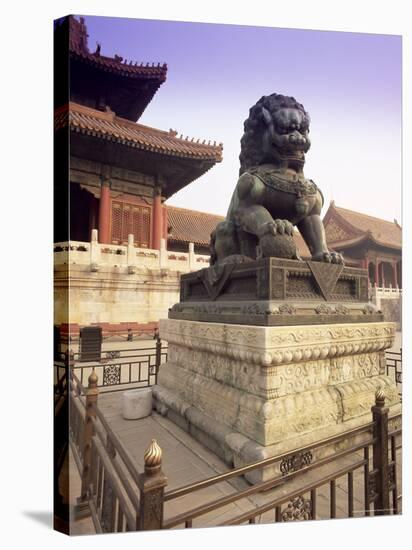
109,489
117,369
394,367
369,462
363,467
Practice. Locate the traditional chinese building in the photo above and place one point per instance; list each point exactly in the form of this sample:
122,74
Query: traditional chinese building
112,176
374,244
121,171
368,242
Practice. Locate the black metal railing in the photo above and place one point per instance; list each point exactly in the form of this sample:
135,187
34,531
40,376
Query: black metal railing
355,473
394,367
117,369
359,480
109,488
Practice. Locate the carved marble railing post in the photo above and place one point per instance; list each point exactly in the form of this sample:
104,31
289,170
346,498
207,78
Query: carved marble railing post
92,393
380,453
163,254
131,254
94,251
192,259
151,484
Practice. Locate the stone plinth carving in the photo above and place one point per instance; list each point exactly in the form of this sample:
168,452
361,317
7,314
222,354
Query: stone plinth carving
249,392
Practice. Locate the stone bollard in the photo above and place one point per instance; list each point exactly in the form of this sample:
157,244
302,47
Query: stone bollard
137,403
380,453
151,485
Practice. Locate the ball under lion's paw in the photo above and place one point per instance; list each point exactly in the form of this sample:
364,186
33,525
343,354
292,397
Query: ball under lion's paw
277,246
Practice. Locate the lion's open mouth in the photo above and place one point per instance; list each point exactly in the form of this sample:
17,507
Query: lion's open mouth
298,156
295,160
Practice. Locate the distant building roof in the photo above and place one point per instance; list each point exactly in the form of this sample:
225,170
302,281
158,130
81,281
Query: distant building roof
190,226
346,227
193,226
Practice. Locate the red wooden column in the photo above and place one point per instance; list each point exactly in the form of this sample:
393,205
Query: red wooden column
157,224
395,274
376,272
104,213
366,266
164,213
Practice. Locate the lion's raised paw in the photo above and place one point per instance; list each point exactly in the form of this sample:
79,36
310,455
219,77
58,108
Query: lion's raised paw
278,227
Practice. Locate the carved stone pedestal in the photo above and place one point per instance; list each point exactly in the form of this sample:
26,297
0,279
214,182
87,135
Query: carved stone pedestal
250,392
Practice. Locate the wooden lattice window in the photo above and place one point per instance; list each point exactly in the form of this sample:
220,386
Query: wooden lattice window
131,218
116,222
145,225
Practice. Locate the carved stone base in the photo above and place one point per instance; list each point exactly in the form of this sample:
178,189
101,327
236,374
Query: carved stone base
249,392
276,292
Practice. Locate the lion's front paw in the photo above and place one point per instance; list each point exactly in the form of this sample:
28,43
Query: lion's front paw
277,227
336,258
328,257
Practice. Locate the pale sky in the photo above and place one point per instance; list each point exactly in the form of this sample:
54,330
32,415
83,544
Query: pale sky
349,82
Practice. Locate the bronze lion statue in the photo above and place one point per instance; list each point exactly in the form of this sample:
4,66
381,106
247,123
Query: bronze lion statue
272,194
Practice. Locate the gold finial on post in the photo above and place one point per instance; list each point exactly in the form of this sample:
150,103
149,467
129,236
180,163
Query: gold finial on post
153,458
93,379
380,396
151,485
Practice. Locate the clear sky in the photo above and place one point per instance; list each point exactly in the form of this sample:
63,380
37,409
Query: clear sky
349,82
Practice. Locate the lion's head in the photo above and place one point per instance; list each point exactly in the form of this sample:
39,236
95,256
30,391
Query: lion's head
276,132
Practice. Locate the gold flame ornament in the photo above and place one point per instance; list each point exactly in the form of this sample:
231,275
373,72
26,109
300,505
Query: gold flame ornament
380,394
153,456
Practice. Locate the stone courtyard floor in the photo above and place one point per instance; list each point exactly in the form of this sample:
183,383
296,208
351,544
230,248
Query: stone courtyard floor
185,461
